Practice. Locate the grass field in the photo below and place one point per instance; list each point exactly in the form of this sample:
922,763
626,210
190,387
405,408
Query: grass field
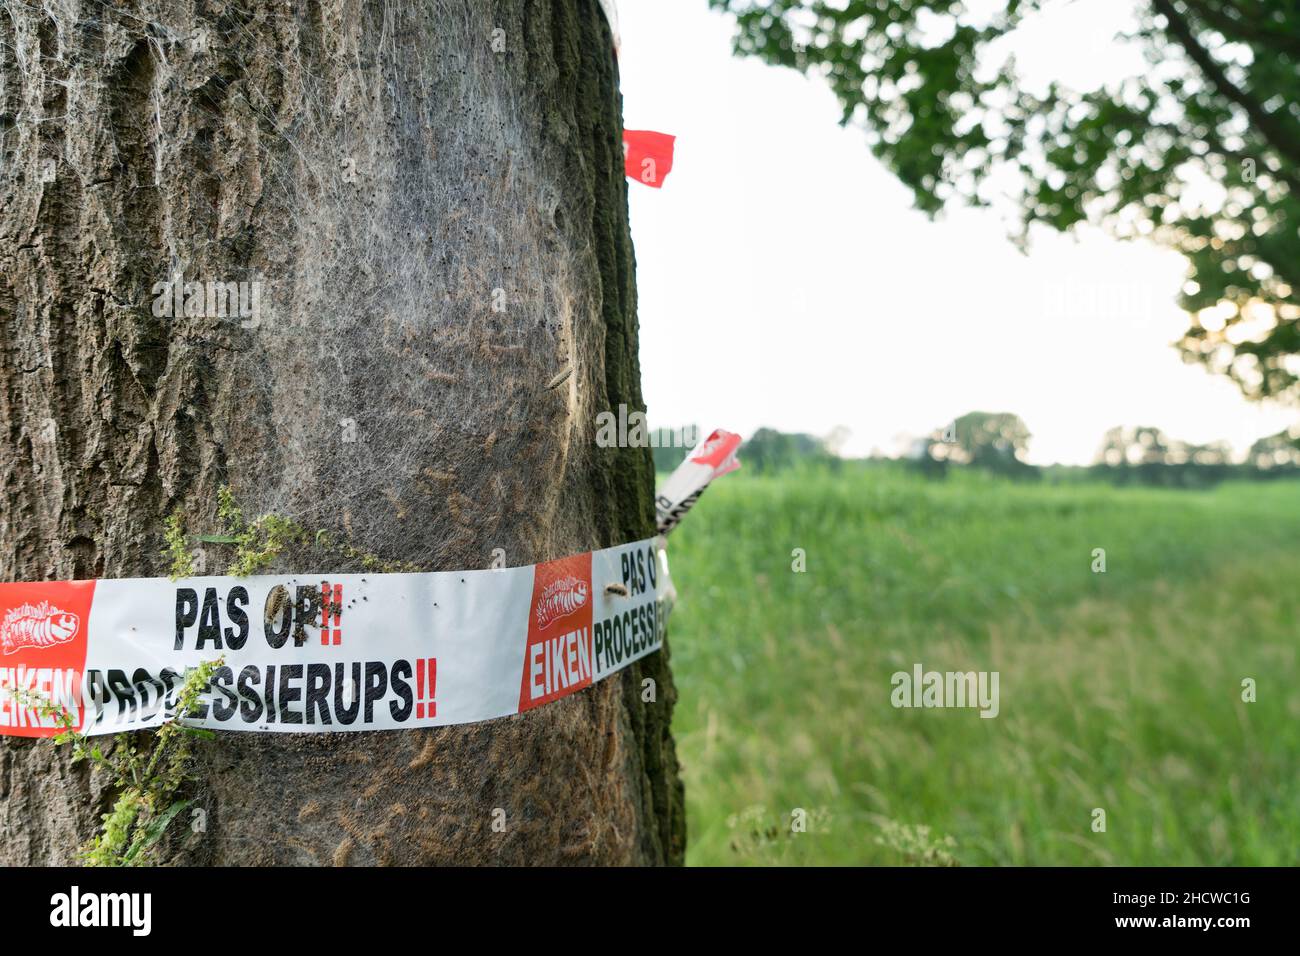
1120,691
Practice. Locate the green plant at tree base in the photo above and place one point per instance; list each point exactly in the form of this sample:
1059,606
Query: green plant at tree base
260,541
177,551
150,778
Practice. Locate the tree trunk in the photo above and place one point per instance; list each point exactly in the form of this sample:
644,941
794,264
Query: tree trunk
431,194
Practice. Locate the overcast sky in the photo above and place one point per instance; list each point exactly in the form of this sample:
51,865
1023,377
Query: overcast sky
785,280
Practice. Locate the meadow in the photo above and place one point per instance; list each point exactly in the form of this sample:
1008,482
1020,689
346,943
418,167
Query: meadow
1120,691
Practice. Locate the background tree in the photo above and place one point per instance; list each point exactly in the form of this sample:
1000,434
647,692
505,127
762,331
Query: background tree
433,197
1201,151
1280,451
769,450
1147,455
1144,444
994,441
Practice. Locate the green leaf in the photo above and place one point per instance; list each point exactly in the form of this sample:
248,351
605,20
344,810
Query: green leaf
154,831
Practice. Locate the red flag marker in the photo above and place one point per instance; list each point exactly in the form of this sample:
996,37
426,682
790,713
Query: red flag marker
647,156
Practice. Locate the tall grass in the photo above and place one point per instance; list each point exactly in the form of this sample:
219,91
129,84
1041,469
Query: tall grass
1120,691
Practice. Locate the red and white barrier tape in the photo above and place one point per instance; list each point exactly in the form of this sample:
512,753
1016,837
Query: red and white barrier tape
648,156
710,459
344,652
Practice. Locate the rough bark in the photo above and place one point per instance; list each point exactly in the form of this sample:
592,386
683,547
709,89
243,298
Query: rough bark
382,169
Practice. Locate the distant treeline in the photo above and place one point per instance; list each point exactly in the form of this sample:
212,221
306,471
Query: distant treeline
1146,456
1166,475
996,442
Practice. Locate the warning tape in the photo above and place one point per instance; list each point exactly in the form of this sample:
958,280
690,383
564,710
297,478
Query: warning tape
648,156
710,459
344,652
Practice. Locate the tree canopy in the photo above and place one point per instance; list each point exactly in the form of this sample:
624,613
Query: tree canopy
1201,152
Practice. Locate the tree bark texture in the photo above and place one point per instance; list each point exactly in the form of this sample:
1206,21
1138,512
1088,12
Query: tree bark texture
431,194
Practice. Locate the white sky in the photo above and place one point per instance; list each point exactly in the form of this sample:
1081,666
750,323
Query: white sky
785,280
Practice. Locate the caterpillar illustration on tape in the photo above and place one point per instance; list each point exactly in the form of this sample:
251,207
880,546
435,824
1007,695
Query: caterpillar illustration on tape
560,599
37,625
